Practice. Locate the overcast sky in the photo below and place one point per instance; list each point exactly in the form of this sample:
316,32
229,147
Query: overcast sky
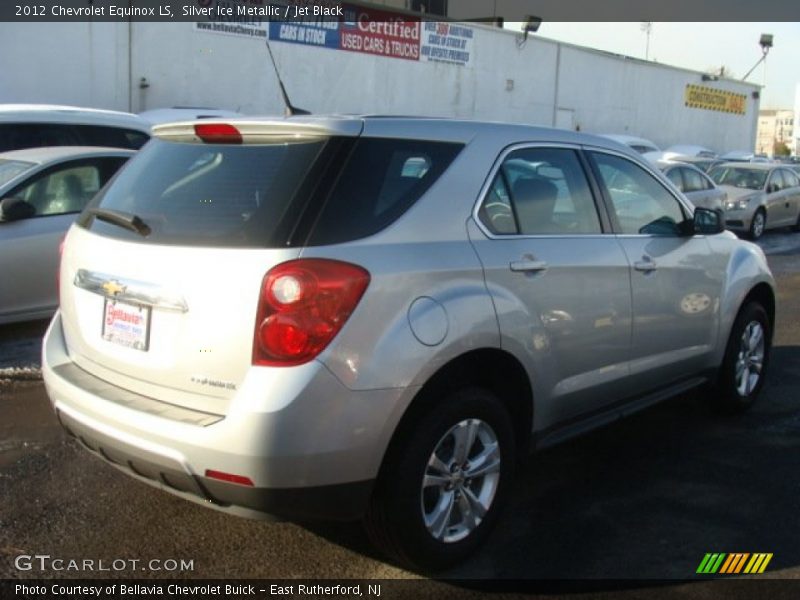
700,46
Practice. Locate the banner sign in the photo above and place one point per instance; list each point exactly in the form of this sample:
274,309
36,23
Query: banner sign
447,42
699,96
343,26
380,32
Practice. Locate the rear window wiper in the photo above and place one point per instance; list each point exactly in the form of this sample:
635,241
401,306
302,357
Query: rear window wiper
121,219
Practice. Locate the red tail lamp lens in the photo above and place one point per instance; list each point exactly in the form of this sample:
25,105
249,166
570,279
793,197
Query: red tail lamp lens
303,305
218,133
229,477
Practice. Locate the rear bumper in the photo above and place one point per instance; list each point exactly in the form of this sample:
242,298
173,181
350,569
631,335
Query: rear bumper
315,457
336,502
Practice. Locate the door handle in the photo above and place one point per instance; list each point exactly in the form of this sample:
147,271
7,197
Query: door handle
528,265
646,265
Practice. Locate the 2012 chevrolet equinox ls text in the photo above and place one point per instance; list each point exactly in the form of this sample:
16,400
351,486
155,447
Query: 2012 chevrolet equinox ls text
378,318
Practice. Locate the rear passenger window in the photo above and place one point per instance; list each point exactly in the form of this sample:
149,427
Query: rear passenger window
540,191
641,204
381,180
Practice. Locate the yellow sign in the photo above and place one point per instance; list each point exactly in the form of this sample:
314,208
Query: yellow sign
699,96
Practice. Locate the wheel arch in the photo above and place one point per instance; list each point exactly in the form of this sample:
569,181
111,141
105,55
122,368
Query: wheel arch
492,369
765,296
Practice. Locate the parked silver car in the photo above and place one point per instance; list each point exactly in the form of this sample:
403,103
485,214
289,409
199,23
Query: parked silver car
41,192
760,196
695,185
378,318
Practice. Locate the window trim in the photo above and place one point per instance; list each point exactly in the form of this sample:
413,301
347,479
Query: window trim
604,219
656,173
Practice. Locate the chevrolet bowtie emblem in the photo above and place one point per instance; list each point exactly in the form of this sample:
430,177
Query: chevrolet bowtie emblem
112,288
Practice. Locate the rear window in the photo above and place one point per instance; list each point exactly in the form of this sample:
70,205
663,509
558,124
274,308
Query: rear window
285,194
208,195
17,136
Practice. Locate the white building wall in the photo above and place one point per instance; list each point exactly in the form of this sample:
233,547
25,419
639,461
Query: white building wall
65,63
540,82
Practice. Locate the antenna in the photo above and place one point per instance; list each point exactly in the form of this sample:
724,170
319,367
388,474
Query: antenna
290,110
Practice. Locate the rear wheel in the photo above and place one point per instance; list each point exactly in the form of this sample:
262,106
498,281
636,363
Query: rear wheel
741,376
758,224
444,481
796,226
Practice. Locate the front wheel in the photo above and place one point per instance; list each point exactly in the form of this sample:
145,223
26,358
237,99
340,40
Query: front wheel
743,369
444,481
758,224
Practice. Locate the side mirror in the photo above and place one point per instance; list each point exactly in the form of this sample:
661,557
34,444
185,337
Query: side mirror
708,221
15,209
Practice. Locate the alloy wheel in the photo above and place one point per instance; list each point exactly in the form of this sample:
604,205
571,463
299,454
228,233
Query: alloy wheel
461,480
750,359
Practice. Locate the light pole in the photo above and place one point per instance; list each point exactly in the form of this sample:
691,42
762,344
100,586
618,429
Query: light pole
766,43
647,27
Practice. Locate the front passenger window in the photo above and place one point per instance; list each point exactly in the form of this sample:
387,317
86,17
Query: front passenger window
641,204
540,191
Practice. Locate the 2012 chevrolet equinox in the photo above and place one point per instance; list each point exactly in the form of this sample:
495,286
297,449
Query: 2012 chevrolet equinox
378,317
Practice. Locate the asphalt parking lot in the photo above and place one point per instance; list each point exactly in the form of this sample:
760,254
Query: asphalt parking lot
642,500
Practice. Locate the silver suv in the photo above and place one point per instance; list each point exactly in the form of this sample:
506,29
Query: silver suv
379,318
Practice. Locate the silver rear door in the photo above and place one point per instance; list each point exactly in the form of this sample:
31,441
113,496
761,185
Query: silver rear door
560,285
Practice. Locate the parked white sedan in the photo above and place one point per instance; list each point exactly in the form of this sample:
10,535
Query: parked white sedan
41,192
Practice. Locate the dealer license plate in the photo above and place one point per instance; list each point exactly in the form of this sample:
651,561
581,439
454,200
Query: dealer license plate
126,324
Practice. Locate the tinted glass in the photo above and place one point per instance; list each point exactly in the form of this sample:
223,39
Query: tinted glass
114,137
548,194
207,194
380,180
16,136
496,212
640,203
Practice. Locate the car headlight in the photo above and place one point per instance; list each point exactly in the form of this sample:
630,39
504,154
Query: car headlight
739,204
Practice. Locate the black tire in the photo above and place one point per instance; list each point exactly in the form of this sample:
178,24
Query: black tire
757,231
730,394
395,519
796,226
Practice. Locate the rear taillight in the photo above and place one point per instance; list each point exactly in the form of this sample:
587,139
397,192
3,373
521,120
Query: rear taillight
218,133
303,305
